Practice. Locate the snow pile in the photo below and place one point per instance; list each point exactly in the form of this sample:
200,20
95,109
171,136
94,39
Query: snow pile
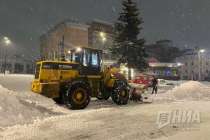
3,90
15,109
190,90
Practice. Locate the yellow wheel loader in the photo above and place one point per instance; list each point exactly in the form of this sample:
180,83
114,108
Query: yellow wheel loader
74,82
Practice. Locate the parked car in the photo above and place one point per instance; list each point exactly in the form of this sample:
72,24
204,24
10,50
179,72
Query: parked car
143,79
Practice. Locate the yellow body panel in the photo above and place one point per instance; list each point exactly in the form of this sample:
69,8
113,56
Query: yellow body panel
110,83
49,80
68,74
50,75
35,86
109,76
50,89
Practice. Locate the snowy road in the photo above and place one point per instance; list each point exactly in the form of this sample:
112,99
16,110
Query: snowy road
27,116
136,122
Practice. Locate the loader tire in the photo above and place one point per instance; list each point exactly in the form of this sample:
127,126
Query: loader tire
79,97
120,94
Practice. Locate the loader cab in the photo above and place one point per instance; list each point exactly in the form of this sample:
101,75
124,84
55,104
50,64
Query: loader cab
89,59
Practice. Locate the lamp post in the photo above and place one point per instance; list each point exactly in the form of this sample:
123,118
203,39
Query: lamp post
103,37
7,42
201,51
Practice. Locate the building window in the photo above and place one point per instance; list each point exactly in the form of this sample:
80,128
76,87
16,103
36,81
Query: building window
186,71
19,68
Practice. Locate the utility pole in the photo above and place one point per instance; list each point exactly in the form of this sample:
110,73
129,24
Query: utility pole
5,61
7,42
1,60
62,49
200,64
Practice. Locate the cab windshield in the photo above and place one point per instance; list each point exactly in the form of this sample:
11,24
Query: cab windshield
87,58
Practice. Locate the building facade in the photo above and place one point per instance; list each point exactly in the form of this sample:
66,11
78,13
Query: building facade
73,34
168,71
100,36
16,65
96,34
194,66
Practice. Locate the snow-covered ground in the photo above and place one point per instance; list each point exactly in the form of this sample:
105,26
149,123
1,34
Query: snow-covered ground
17,82
25,115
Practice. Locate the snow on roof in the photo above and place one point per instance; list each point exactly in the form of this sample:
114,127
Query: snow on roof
70,23
77,25
103,22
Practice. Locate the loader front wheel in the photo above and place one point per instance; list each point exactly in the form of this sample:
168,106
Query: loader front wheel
120,94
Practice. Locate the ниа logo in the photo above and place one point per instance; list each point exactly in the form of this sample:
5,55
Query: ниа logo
177,117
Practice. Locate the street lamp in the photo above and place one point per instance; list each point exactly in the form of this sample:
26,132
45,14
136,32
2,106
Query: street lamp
199,62
202,50
179,64
78,49
7,42
69,52
104,39
103,36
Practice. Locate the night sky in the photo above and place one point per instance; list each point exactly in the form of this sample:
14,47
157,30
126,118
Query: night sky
186,22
